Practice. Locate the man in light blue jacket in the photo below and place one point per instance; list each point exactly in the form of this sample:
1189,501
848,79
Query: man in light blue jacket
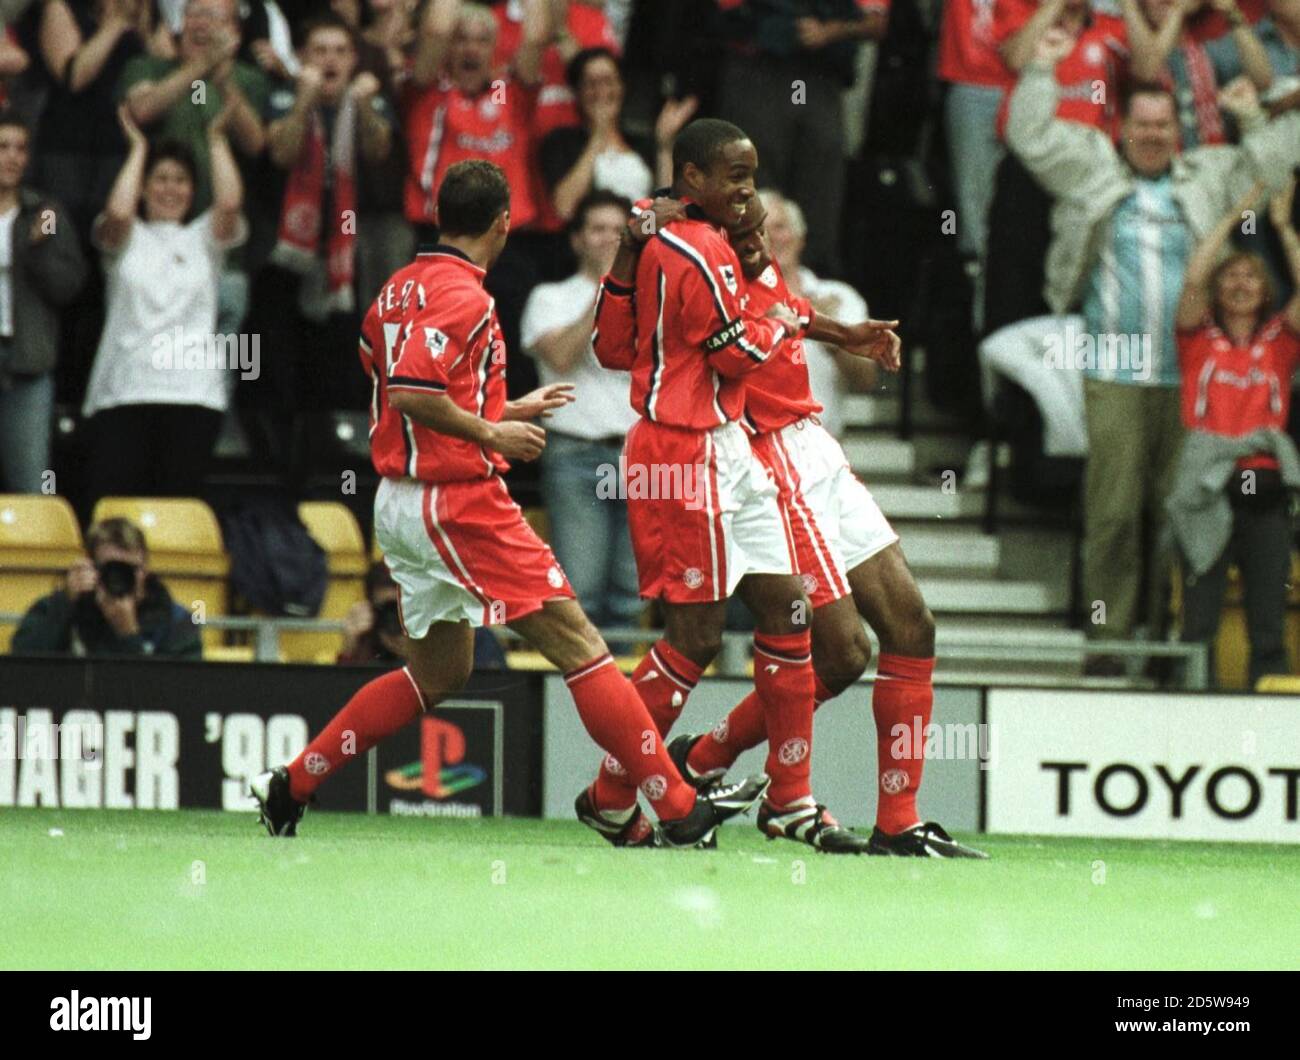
1123,224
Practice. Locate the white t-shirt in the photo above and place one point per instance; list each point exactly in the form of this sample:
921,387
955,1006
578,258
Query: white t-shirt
842,302
624,173
159,344
7,220
601,405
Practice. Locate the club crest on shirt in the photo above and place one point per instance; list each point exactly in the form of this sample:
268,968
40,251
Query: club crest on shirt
728,275
436,342
768,277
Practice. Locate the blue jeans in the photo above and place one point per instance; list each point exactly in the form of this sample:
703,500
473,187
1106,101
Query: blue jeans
589,535
26,415
970,118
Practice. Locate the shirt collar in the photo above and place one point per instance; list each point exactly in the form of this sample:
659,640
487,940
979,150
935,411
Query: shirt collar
444,250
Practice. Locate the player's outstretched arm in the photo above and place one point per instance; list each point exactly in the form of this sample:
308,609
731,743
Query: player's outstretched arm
540,403
512,439
873,340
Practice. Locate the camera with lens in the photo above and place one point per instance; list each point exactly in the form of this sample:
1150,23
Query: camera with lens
117,578
387,619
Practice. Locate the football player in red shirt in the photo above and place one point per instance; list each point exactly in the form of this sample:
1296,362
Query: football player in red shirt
852,565
691,346
458,547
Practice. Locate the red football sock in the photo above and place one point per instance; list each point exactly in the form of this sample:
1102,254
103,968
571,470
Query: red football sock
379,708
740,730
783,684
663,679
904,695
618,721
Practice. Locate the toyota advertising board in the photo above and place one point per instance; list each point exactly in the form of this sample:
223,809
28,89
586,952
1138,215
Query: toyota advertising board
1144,766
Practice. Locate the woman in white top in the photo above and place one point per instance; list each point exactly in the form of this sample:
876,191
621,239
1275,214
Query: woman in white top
596,155
162,378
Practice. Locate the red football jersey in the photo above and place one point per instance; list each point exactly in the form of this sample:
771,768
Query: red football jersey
444,126
779,393
694,342
1233,390
588,26
1088,76
968,52
433,330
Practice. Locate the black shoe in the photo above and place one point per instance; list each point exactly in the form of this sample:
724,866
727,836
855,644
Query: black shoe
711,808
636,831
679,750
926,840
810,823
277,808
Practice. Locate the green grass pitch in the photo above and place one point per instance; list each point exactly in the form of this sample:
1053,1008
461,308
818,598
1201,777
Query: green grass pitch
195,889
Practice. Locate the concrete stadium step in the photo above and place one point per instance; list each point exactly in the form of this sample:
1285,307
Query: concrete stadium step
951,549
873,454
992,596
902,500
877,454
884,408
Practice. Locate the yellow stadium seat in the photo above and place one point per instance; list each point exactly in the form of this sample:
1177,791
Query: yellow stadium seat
332,526
185,550
1283,684
540,520
240,653
39,541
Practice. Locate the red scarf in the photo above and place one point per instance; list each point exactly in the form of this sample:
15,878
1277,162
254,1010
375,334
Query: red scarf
298,241
1200,75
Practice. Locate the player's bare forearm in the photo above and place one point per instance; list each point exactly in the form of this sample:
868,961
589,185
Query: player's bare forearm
823,328
872,340
513,439
623,270
439,413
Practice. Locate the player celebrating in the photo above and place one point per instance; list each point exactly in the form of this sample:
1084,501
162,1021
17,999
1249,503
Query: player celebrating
690,349
863,573
458,547
825,504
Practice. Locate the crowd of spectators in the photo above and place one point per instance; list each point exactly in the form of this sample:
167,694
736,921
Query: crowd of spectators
177,171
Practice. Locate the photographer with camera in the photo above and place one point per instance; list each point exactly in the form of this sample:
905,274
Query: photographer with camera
112,605
373,628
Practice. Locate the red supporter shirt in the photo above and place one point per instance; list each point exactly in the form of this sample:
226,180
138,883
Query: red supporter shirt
1089,76
1233,390
444,126
433,330
588,26
1207,24
684,334
779,393
968,50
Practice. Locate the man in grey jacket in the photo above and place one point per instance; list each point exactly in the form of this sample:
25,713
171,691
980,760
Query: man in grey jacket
1123,224
41,271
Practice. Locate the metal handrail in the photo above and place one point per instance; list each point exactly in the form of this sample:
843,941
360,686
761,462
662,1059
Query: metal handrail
733,660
